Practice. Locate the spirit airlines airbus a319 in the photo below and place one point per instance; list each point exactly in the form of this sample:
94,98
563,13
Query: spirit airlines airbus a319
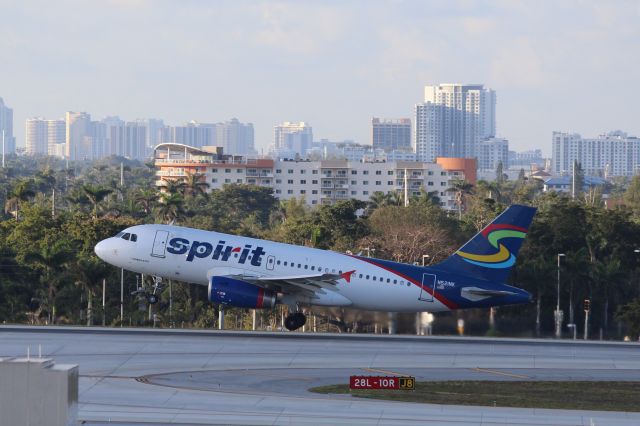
258,274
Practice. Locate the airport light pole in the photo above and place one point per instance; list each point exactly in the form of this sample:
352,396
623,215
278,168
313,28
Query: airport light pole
424,258
558,314
637,252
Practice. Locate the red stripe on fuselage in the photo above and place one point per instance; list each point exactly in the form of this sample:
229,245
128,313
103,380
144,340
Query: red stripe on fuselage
446,302
495,226
260,300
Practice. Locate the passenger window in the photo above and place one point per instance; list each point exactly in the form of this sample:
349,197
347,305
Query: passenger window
126,236
388,279
340,272
360,276
408,284
367,276
306,266
395,281
278,262
285,263
299,266
134,237
313,268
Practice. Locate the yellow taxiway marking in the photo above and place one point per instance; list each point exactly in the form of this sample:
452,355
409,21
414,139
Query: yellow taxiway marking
393,373
502,373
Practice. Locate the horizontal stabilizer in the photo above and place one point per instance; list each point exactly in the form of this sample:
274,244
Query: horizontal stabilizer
475,294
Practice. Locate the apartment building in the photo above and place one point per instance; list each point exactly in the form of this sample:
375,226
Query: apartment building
317,182
613,154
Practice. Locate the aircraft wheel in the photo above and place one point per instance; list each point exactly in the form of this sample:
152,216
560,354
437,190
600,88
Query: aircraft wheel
152,299
295,321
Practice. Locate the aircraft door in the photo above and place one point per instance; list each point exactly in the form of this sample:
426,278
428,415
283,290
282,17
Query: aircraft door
428,287
160,244
271,260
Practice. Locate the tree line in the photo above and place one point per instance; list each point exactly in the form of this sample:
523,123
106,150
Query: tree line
54,215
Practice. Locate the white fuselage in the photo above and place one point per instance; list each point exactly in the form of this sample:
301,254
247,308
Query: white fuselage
168,251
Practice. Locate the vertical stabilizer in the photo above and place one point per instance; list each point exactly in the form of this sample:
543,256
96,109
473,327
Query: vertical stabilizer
491,254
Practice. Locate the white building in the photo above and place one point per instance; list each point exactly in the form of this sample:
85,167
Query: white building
613,154
44,137
492,151
126,139
235,137
193,134
79,142
318,182
154,127
6,129
453,119
295,137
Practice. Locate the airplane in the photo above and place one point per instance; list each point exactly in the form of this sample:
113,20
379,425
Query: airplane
259,274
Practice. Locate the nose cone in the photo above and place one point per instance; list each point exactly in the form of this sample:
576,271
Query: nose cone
101,249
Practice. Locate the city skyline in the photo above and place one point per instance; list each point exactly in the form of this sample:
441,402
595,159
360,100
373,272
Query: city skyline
266,63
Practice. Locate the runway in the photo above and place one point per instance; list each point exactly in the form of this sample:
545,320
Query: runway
159,377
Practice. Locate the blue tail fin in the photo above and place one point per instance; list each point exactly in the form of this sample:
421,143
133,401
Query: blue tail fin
492,252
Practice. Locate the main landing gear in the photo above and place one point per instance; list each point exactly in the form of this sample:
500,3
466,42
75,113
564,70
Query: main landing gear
151,295
294,321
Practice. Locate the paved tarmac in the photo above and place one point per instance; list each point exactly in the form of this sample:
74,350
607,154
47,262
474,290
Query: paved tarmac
161,377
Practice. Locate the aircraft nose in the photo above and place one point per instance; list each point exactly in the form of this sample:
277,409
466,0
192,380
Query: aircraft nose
101,249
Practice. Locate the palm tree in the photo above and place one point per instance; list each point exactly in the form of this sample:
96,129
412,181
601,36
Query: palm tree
88,271
171,207
490,189
426,198
51,259
462,188
172,186
607,274
20,193
95,194
380,199
194,185
146,199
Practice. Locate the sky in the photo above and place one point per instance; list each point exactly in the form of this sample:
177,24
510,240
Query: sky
555,65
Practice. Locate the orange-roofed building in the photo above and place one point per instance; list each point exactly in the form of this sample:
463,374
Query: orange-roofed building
468,167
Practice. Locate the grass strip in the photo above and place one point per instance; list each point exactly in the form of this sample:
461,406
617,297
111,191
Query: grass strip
574,395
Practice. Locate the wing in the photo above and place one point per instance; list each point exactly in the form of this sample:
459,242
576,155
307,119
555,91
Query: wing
308,285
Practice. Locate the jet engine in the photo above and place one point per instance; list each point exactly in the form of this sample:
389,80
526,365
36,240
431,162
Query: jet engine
241,294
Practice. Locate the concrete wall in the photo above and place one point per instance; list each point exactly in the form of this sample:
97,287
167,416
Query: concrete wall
36,392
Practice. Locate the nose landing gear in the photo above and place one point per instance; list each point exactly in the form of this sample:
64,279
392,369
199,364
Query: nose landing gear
294,321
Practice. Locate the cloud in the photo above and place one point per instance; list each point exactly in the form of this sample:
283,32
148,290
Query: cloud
299,28
518,63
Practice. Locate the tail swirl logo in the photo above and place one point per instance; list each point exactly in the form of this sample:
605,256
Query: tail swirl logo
503,258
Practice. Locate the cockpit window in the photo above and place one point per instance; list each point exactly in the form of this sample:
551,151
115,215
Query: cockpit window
134,237
126,236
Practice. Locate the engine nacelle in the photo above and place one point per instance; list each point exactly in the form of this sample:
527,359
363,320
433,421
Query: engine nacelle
241,294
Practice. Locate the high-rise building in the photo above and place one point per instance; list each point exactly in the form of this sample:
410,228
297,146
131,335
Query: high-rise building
154,127
44,136
56,137
235,137
292,137
78,136
391,134
453,119
613,154
193,134
126,139
492,151
6,128
36,136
